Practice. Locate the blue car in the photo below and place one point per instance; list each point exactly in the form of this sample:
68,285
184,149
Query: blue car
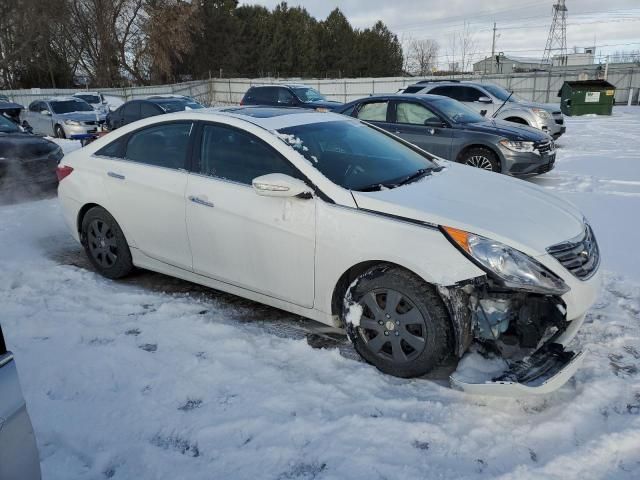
289,95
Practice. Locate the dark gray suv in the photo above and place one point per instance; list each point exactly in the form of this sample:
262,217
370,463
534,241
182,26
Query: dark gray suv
446,128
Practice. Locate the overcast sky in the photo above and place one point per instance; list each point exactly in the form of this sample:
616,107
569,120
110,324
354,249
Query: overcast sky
523,25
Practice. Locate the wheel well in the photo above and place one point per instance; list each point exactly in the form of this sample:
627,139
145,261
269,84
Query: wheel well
83,211
519,120
471,147
347,278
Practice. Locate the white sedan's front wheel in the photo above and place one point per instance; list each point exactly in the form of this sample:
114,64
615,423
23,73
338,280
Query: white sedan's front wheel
404,329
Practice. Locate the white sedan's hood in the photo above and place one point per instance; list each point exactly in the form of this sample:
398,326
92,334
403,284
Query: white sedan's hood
502,208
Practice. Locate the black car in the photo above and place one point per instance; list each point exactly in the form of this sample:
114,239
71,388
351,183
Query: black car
149,107
27,163
447,128
291,95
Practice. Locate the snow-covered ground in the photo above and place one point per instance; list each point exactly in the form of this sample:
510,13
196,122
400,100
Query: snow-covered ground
154,378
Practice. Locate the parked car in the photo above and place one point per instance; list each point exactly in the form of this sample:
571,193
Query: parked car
493,98
447,128
337,220
95,99
134,110
19,457
27,163
63,117
11,110
290,95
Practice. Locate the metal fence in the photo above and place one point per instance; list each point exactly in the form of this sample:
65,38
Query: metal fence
536,86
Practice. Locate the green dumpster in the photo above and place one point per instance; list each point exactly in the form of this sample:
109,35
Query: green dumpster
587,96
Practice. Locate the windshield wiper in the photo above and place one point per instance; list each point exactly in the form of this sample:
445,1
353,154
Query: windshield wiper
418,175
503,104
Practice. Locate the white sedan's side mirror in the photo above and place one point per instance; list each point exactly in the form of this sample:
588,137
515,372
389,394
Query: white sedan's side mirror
279,185
45,112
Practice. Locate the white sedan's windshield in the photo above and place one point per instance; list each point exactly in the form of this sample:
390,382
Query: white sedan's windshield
355,155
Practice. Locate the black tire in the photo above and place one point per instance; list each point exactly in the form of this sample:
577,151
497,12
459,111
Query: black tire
419,316
59,131
482,158
105,244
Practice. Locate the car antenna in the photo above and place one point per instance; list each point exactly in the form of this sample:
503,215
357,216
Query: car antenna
503,104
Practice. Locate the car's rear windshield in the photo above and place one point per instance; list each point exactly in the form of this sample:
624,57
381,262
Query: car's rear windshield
177,105
90,98
68,106
355,155
307,94
7,126
457,112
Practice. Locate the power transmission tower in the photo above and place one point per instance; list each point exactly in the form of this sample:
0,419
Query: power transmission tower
557,40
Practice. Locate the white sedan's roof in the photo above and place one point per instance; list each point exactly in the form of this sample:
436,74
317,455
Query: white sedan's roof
272,118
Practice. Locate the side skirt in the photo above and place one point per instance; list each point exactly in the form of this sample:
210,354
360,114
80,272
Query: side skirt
143,261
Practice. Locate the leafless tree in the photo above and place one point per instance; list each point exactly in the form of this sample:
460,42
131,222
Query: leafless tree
462,49
169,35
422,56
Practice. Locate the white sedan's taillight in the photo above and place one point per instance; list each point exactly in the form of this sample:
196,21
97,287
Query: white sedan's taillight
63,171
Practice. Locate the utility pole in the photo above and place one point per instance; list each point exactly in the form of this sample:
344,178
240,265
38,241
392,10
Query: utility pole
493,47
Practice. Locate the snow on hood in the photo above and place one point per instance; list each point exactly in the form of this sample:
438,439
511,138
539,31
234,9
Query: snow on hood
502,208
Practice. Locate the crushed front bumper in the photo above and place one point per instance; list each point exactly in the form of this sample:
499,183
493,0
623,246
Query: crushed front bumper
544,371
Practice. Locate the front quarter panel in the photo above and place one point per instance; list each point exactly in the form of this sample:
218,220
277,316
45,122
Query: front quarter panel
349,236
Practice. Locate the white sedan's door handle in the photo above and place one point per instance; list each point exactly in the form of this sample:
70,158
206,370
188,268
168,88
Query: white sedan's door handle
115,175
201,201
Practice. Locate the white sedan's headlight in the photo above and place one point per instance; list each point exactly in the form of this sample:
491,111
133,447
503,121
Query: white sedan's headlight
511,267
520,147
541,113
72,122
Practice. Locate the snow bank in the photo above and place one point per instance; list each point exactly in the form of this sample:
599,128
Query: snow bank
153,378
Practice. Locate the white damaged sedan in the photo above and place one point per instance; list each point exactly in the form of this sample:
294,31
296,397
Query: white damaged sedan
336,220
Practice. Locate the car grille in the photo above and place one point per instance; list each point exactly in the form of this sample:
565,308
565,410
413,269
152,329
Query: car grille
93,122
544,147
580,256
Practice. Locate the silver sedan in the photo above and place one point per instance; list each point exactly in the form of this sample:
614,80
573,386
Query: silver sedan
63,117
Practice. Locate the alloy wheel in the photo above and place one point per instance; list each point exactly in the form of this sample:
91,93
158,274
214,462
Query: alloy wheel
102,243
480,161
391,325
